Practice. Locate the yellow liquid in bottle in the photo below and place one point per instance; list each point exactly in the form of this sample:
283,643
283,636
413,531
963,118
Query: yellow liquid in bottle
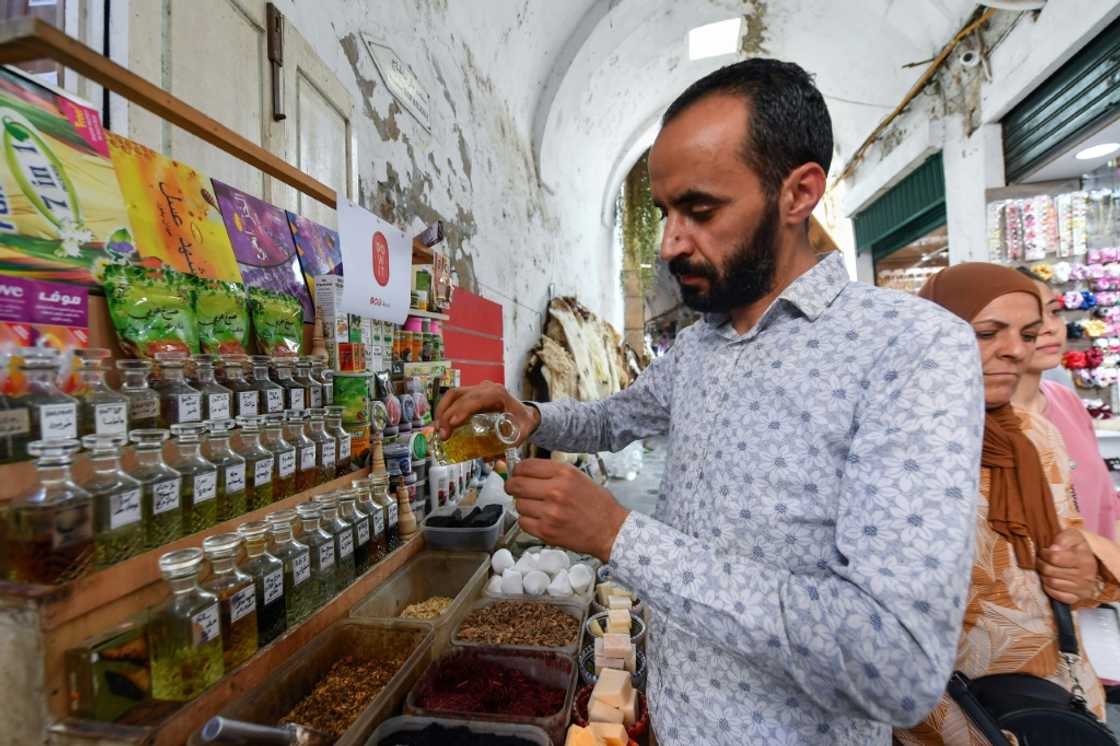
466,443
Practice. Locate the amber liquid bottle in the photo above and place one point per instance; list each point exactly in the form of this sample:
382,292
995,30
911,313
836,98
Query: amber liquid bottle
307,472
267,573
237,598
482,436
259,462
272,438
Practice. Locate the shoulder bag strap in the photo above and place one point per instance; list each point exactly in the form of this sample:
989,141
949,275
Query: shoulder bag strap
1067,645
974,711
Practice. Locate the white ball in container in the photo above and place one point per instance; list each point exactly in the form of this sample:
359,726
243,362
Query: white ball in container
535,583
494,587
580,576
553,561
501,561
526,564
512,583
561,585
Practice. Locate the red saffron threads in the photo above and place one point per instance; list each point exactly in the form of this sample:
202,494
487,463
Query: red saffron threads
463,683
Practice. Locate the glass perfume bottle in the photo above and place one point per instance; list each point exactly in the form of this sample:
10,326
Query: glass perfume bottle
199,496
237,599
143,400
54,415
389,504
246,397
338,432
117,525
348,510
49,530
160,485
267,573
101,411
272,438
179,402
326,447
482,436
343,533
325,377
321,545
217,400
312,387
301,595
306,471
259,462
293,390
232,488
379,546
271,393
185,632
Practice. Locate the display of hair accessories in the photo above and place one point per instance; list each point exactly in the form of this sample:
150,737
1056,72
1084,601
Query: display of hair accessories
1062,272
1074,330
1044,270
1064,204
996,245
1088,299
1034,232
1013,230
1074,360
1093,357
1071,299
1079,229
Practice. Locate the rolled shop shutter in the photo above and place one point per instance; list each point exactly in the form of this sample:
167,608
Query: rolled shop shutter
907,211
1082,95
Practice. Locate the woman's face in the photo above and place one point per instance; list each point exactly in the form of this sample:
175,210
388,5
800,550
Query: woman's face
1051,335
1006,330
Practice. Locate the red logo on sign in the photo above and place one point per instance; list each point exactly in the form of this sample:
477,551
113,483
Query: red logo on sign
380,248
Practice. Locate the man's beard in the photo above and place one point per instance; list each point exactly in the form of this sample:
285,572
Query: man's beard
747,277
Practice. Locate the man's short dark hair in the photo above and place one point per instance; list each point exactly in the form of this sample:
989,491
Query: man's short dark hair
788,119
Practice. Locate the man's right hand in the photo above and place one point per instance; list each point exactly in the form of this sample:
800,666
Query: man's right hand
458,405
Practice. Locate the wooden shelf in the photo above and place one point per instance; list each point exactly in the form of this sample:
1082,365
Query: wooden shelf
428,314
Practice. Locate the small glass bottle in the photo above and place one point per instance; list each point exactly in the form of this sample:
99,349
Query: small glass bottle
301,595
388,502
143,400
326,447
237,599
321,545
271,393
267,573
482,436
338,432
379,546
15,418
294,391
217,400
272,438
259,462
312,387
49,530
185,632
343,533
178,400
118,531
348,510
200,478
233,490
325,377
101,411
54,415
160,485
246,397
306,471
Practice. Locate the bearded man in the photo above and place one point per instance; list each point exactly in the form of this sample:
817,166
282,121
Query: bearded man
807,560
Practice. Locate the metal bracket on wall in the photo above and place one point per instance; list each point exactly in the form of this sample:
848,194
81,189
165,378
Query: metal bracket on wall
275,22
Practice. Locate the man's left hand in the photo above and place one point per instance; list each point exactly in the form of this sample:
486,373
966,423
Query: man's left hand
561,505
1069,568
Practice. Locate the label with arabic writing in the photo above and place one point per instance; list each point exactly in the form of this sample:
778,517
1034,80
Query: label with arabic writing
326,555
247,403
124,508
363,531
218,406
301,568
273,586
275,400
242,603
190,407
235,479
262,472
287,463
58,421
307,458
206,625
111,418
165,495
205,486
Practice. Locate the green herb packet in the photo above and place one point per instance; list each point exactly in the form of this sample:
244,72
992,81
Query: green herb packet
151,310
221,309
277,322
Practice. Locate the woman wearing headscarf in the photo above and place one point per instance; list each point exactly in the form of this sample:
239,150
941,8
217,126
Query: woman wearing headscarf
1028,544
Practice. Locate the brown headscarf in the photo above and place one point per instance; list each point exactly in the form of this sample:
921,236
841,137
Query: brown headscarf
1020,504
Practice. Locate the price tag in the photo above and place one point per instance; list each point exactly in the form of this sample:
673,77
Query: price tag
344,447
205,486
247,402
326,555
307,458
242,603
345,544
235,479
378,522
275,400
287,463
124,509
14,422
316,396
262,472
206,625
301,568
273,586
217,406
143,409
190,407
165,495
328,453
58,421
394,512
295,399
110,419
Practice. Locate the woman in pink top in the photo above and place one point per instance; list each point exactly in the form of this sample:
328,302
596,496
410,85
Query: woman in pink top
1092,484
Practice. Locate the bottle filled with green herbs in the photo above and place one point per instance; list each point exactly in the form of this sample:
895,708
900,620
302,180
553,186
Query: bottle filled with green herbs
54,415
301,593
143,400
101,411
185,632
324,377
272,438
271,393
199,497
160,485
217,400
237,598
389,504
233,488
306,470
338,432
312,386
294,391
349,510
326,447
267,573
15,421
117,525
48,532
259,462
246,397
179,402
342,531
321,545
379,545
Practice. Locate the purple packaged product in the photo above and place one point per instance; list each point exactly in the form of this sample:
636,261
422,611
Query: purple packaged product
55,304
15,299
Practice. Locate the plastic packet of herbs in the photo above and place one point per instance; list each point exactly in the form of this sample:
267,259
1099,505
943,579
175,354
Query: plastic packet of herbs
277,322
151,310
221,309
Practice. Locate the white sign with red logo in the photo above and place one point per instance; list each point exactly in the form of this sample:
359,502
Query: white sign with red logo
378,265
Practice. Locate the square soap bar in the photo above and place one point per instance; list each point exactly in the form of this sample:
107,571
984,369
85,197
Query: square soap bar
613,687
612,734
601,712
578,736
620,602
616,645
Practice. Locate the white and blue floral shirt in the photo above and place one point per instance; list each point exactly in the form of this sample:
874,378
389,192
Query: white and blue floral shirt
809,557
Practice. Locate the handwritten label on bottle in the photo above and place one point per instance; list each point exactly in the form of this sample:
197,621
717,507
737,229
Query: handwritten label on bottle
242,603
344,447
326,555
275,400
307,458
143,409
235,479
217,406
316,396
206,625
165,495
262,472
378,522
124,509
14,422
295,399
58,421
247,403
273,586
394,513
205,486
362,525
328,394
301,568
190,407
328,453
287,463
345,543
110,419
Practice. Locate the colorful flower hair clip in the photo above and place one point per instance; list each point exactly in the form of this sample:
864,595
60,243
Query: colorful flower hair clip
1094,256
1110,255
1074,360
1093,357
1043,270
1072,299
1062,271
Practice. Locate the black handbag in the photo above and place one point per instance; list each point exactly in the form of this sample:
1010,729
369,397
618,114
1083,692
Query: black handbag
1038,712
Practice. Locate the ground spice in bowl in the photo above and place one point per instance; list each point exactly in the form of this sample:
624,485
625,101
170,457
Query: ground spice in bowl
519,623
340,696
469,684
429,609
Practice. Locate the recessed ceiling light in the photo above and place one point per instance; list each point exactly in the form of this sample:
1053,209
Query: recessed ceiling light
714,39
1097,151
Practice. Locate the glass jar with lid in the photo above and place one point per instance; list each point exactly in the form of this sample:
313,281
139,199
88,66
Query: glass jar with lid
271,393
232,486
217,400
143,400
379,546
326,447
301,595
272,438
118,530
342,438
200,477
260,462
294,391
388,502
267,573
179,402
15,420
349,510
49,533
101,411
54,415
237,599
342,531
312,387
184,632
160,486
325,377
306,471
321,545
246,397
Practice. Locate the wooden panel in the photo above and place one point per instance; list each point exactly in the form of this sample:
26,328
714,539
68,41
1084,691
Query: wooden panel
322,136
